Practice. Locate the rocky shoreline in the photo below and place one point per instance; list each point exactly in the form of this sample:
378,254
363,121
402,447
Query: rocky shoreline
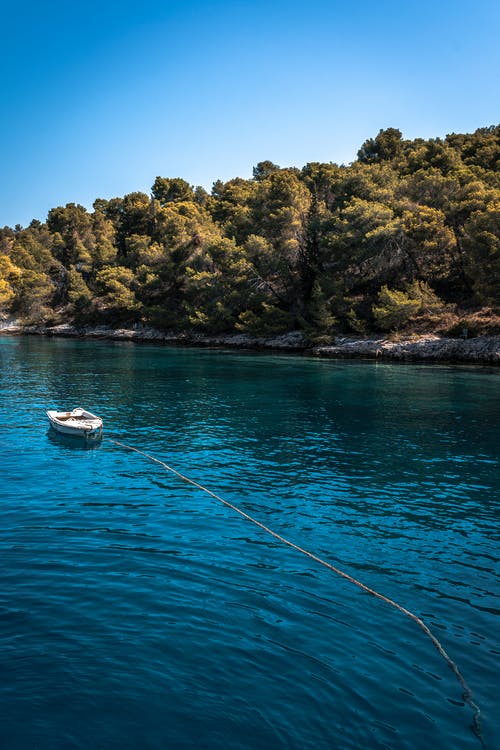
423,348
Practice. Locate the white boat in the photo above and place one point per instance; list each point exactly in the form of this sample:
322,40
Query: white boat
76,422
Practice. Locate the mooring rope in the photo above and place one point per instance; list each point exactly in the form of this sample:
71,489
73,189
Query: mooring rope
467,694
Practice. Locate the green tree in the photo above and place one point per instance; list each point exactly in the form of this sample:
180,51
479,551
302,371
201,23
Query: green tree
364,243
481,148
482,247
72,226
230,206
104,251
116,292
428,242
265,320
9,276
386,146
167,189
34,296
394,309
286,248
79,295
218,287
135,214
280,210
264,169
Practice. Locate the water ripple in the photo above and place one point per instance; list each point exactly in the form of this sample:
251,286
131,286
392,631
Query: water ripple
137,611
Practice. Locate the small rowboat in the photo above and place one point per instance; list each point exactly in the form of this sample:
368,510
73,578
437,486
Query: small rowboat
77,422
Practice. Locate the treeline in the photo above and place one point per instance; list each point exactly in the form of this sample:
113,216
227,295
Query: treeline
404,234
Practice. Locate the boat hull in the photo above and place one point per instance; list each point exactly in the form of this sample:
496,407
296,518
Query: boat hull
78,423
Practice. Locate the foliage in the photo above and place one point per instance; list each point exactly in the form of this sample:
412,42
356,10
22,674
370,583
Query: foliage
267,320
116,291
482,245
9,275
394,308
324,248
386,146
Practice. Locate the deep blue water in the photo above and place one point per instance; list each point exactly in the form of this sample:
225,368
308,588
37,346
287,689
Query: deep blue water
137,612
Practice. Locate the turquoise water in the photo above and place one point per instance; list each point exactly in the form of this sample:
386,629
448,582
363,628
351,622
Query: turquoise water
138,612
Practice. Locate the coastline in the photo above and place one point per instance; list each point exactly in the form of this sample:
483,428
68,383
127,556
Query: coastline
416,348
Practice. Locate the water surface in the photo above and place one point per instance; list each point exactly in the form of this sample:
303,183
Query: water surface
137,612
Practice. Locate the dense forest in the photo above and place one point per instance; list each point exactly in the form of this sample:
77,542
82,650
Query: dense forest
405,237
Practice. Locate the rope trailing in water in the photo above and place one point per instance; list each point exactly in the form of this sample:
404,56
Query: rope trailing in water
467,694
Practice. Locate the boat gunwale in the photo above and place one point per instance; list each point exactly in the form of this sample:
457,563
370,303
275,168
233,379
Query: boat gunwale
68,423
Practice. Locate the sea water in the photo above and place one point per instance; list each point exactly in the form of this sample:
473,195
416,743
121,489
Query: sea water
138,612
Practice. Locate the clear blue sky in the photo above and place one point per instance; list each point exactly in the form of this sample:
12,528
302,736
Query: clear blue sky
100,97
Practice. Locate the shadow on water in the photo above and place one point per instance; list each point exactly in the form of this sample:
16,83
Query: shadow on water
74,442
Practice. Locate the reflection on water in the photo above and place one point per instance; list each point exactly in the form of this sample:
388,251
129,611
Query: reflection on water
138,612
74,442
